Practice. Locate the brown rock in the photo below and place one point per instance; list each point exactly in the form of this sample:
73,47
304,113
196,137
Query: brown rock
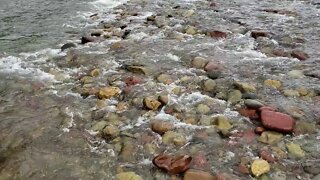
193,174
212,66
199,62
151,103
161,127
199,160
256,34
250,113
243,169
277,121
259,130
108,92
218,34
172,164
266,155
299,55
133,80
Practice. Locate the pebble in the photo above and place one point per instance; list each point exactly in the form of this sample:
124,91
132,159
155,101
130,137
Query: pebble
128,175
161,127
203,109
303,127
191,30
299,55
259,167
171,137
295,150
270,137
214,74
95,72
212,66
172,164
209,85
199,62
273,83
234,96
164,99
245,87
222,123
256,34
277,121
291,93
111,130
151,103
87,39
108,92
138,69
254,104
193,174
218,34
250,113
259,130
165,79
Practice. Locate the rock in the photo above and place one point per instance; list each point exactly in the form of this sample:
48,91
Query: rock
133,80
67,46
203,109
303,127
214,74
128,152
87,39
245,87
191,30
108,92
111,130
210,66
199,62
259,130
193,174
291,93
259,167
312,166
256,34
243,169
172,164
95,72
218,34
151,103
250,113
266,155
296,74
164,99
295,150
165,79
234,96
128,176
151,18
161,127
270,137
299,55
97,33
209,85
273,83
222,123
254,104
277,121
317,177
265,177
86,80
160,21
99,126
172,137
116,46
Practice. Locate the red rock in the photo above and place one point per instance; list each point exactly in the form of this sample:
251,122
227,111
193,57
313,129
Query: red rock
268,108
299,55
193,174
199,160
221,176
132,80
242,168
259,130
172,164
256,34
265,154
212,66
218,34
277,121
250,113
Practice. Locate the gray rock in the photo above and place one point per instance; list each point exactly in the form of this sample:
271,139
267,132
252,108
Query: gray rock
312,166
250,103
67,46
214,74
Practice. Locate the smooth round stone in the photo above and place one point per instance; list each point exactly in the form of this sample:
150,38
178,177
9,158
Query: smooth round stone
214,74
260,167
250,103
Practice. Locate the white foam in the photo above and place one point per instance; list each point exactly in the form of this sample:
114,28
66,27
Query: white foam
173,57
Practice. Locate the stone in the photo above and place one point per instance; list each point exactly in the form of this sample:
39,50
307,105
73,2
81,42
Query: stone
295,150
296,74
303,127
259,167
214,74
108,92
191,30
188,13
277,121
270,137
254,104
171,137
243,168
250,113
128,152
199,62
165,79
259,130
161,127
95,72
273,83
138,69
256,34
87,39
67,46
265,177
151,103
99,126
316,177
164,99
86,80
172,164
203,109
193,174
133,80
291,93
234,96
218,34
111,130
299,55
245,87
128,176
266,155
209,85
210,66
116,46
312,166
222,123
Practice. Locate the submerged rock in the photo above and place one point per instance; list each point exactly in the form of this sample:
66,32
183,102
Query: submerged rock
172,164
299,55
108,92
270,137
277,121
199,62
260,167
295,150
273,83
161,127
193,174
67,46
151,103
128,176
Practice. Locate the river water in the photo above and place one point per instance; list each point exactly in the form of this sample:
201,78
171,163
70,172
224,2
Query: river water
53,125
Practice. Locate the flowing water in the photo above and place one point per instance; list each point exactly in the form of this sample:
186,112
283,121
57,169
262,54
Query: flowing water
47,118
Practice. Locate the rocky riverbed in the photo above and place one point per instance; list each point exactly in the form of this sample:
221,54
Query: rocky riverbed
174,90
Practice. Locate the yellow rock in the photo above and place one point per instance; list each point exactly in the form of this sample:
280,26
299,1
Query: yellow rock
273,83
128,176
246,87
95,73
291,93
260,167
191,30
108,92
222,123
151,103
270,137
295,150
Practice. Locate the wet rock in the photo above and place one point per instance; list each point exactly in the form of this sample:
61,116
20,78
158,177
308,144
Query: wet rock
128,175
245,87
87,39
67,46
151,18
234,96
165,79
270,137
99,126
273,83
111,131
172,164
188,13
191,30
317,177
296,74
277,121
259,167
86,80
218,34
250,113
295,150
299,55
312,166
133,80
164,99
259,130
172,137
95,72
209,85
265,177
128,151
116,46
222,123
254,104
266,155
291,93
193,174
138,69
203,109
151,103
108,92
210,66
161,127
303,127
160,21
199,62
242,168
256,34
214,74
97,33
